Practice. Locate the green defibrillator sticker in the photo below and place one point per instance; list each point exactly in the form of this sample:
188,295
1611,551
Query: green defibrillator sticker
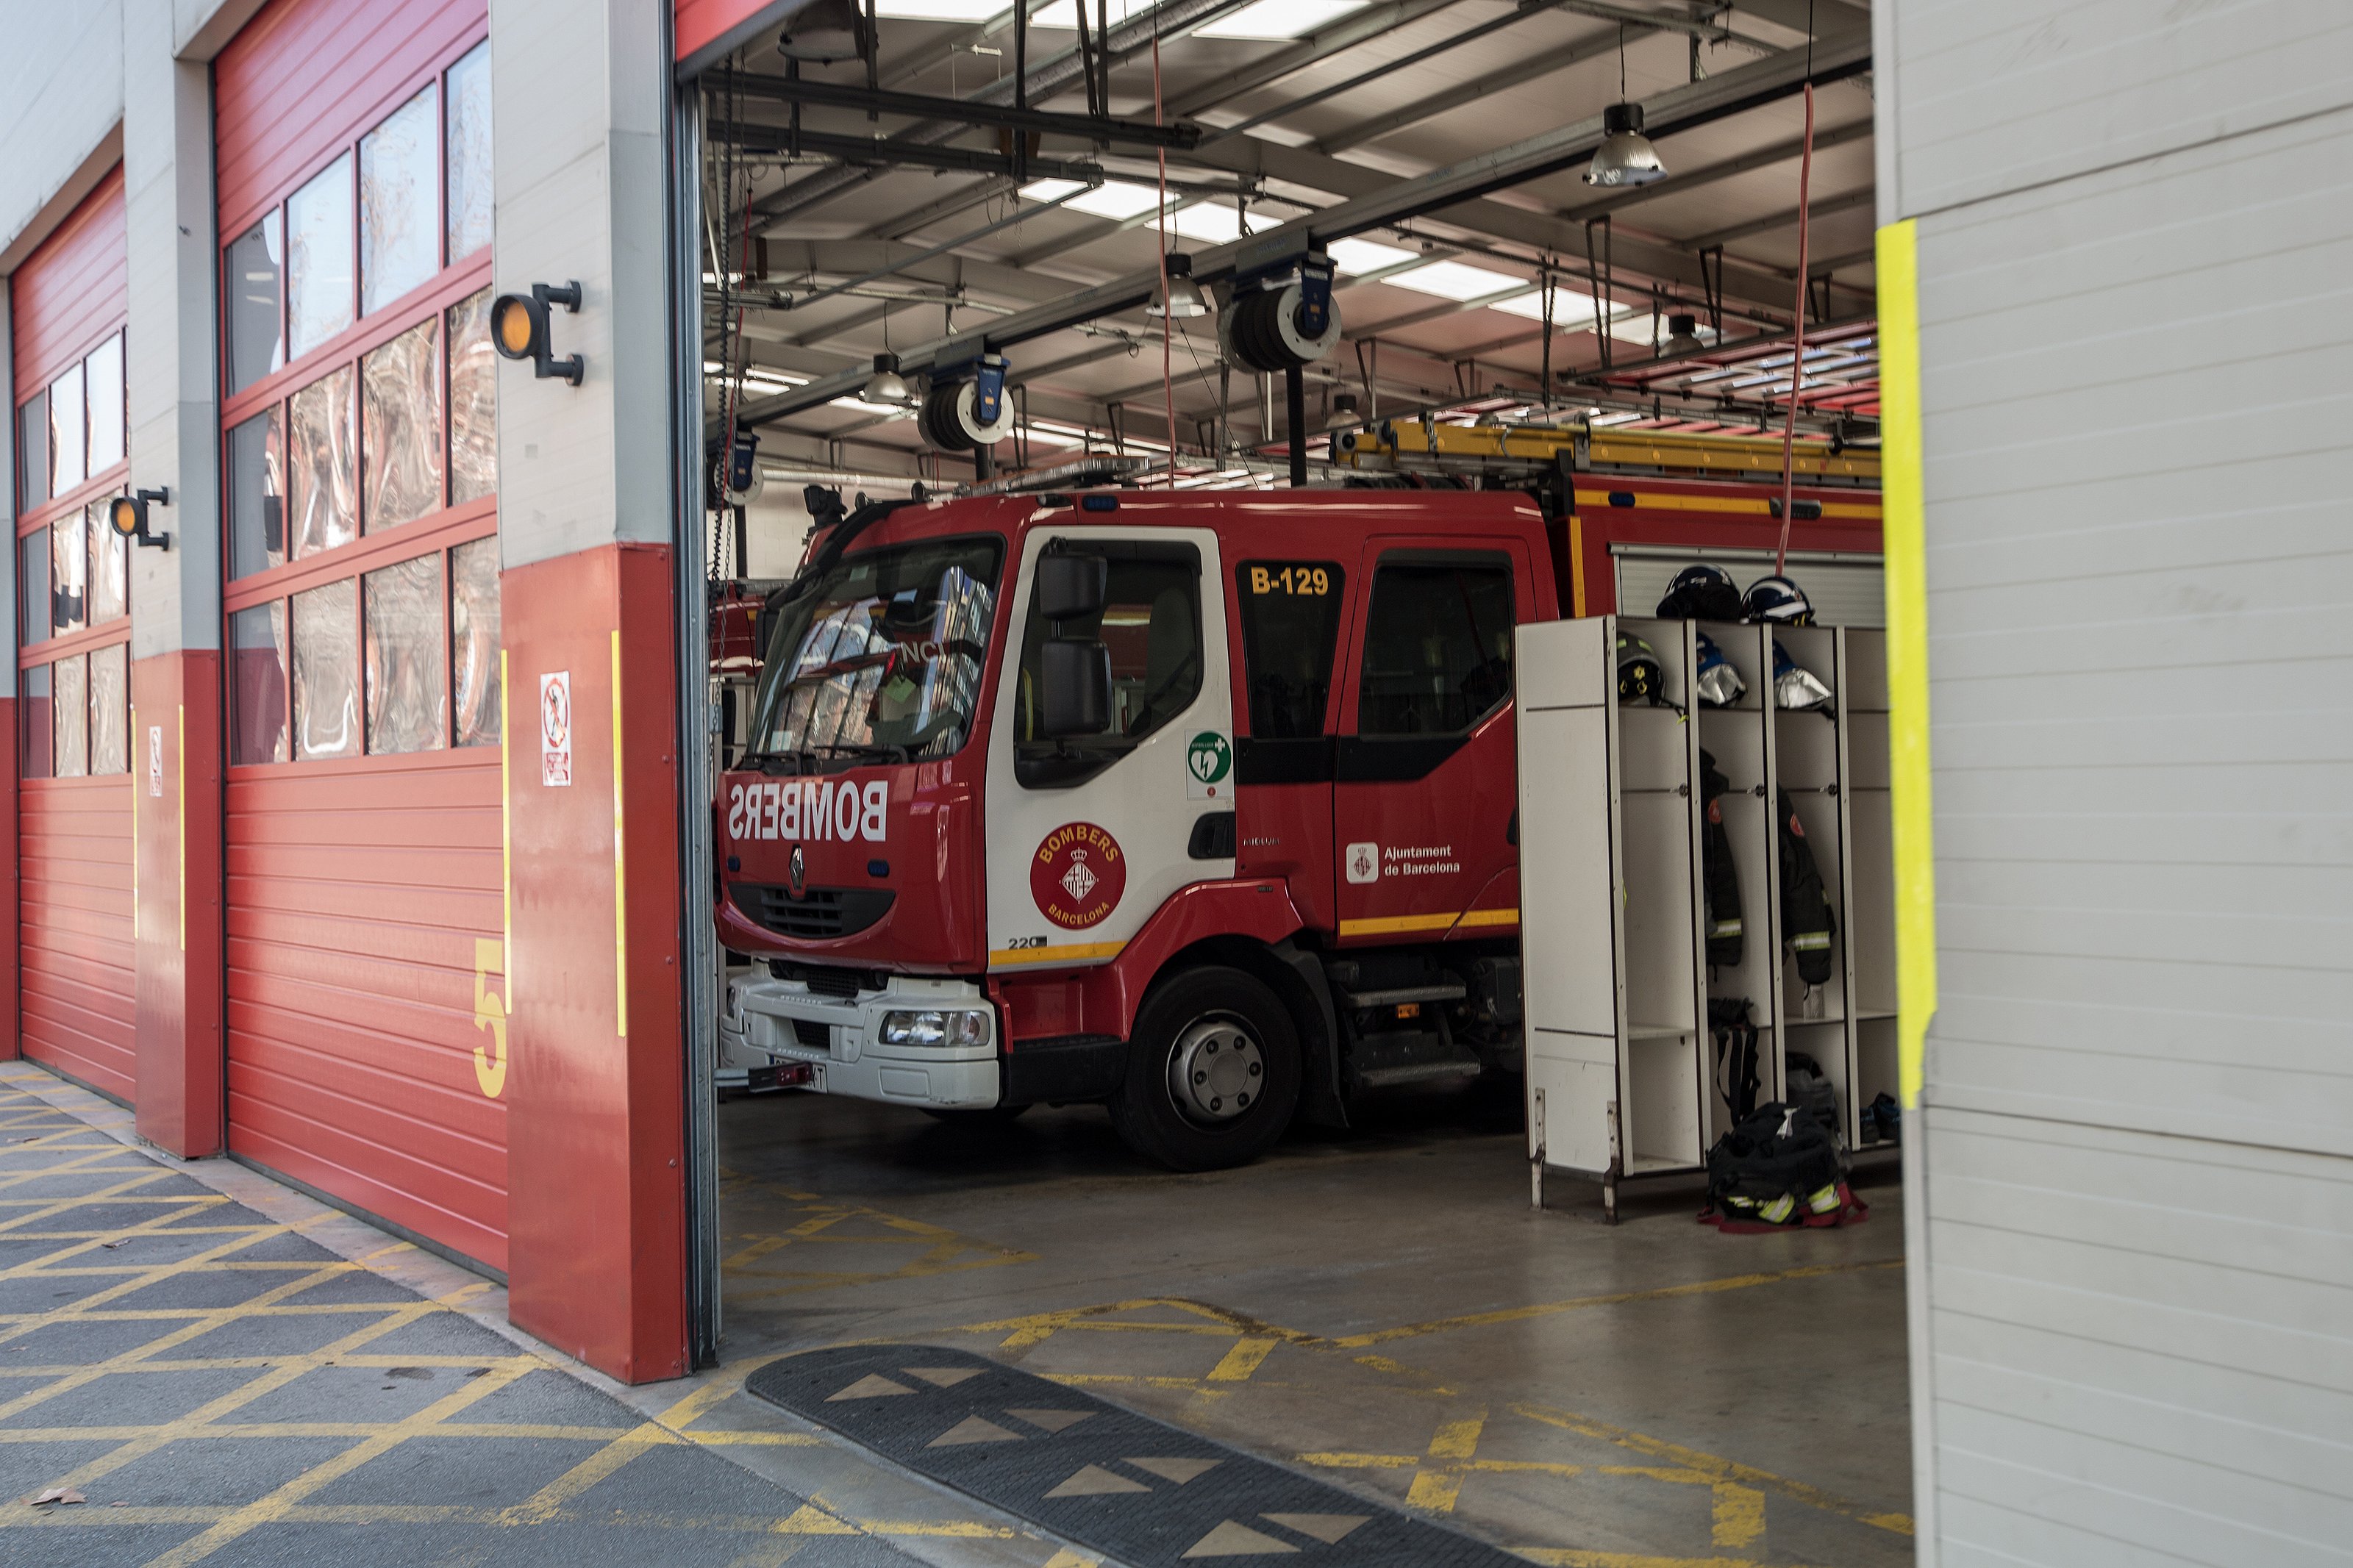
1209,762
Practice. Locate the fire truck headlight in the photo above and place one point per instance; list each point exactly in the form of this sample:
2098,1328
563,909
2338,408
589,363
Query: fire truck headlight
959,1026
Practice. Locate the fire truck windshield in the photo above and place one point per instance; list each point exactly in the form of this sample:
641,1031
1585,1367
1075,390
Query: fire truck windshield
881,658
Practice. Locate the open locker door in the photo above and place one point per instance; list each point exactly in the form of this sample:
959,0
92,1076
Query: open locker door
1569,933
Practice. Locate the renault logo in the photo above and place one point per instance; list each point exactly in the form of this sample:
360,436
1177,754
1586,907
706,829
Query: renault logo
799,870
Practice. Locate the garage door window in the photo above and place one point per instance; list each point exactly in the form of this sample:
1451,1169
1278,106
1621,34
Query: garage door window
73,570
359,457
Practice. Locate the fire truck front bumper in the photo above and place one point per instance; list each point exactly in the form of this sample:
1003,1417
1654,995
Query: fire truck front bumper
915,1042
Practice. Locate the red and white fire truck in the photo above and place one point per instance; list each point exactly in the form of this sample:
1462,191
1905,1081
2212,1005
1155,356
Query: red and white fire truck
1197,804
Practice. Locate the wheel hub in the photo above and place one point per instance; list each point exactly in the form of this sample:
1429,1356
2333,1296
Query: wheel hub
1217,1072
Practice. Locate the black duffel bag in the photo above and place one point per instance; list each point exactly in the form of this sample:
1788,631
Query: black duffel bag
1778,1167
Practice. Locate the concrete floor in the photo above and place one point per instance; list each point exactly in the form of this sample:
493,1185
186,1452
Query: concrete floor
1380,1307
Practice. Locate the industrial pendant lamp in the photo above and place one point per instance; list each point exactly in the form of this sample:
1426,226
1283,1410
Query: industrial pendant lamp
1625,156
886,385
824,32
1185,299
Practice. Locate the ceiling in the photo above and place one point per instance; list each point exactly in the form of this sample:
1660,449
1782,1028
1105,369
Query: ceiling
1323,114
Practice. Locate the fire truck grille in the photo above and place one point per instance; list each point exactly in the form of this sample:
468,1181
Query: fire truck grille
818,915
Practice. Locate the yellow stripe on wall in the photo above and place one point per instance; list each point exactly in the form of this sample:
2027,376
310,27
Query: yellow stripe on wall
620,882
1907,651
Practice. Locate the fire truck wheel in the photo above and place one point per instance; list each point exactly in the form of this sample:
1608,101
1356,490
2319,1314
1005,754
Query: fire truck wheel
1212,1072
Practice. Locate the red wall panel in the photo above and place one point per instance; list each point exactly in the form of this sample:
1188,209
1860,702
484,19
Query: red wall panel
9,1048
598,1117
72,291
176,796
74,886
305,76
699,23
356,893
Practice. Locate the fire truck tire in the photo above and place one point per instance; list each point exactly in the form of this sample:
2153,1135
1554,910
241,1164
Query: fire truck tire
1212,1072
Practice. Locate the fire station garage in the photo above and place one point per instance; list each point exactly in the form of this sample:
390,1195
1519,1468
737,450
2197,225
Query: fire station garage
1107,781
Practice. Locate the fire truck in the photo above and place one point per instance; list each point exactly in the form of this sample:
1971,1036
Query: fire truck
1199,806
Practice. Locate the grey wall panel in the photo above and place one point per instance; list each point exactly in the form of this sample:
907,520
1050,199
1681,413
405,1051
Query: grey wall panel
60,97
2143,1347
1993,96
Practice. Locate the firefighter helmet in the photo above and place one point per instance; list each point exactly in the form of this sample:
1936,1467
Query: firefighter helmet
1702,593
1639,677
1778,600
1793,686
1720,685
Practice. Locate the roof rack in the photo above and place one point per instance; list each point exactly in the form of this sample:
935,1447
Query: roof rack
1409,445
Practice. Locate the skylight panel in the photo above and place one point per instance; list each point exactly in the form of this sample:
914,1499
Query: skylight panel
1455,281
1278,19
1362,256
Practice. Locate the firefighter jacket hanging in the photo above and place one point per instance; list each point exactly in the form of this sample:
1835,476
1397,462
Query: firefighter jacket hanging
1719,877
1807,921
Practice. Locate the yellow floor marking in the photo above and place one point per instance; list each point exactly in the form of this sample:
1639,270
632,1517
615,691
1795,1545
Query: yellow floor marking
767,1554
1066,1558
274,1506
811,1520
1716,1469
544,1504
1570,1557
754,1439
1579,1303
1740,1514
1344,1461
944,1252
1436,1486
1242,1361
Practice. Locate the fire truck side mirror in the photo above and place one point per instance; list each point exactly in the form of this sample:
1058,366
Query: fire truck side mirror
1073,686
1070,587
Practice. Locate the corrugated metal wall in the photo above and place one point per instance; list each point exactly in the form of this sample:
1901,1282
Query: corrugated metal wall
74,1003
361,889
2135,232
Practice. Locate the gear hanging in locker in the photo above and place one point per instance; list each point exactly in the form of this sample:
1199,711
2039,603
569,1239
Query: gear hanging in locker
1719,875
1807,923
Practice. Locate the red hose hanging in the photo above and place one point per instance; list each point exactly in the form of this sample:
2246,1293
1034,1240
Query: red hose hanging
1167,314
1797,347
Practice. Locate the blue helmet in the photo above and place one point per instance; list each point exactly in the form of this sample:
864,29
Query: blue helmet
1794,686
1719,684
1702,593
1777,600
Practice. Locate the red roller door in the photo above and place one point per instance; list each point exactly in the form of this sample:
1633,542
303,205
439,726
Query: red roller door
363,851
73,997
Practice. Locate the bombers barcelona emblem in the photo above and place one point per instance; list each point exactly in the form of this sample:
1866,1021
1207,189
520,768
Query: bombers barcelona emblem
1077,875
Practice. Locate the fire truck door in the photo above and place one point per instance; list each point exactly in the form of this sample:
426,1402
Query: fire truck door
1423,790
1290,613
1088,835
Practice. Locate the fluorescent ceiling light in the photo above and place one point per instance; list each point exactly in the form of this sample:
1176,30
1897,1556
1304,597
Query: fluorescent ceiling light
1573,312
1278,19
938,10
1111,199
1454,281
1058,15
1214,223
1361,255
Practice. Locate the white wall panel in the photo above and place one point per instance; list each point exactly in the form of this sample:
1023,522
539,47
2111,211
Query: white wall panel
60,98
2135,1269
1997,95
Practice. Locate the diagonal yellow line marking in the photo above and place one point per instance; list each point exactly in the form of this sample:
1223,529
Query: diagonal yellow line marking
544,1504
1579,1303
277,1504
1717,1469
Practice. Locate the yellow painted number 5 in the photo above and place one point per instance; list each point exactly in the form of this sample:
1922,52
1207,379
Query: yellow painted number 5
491,1014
